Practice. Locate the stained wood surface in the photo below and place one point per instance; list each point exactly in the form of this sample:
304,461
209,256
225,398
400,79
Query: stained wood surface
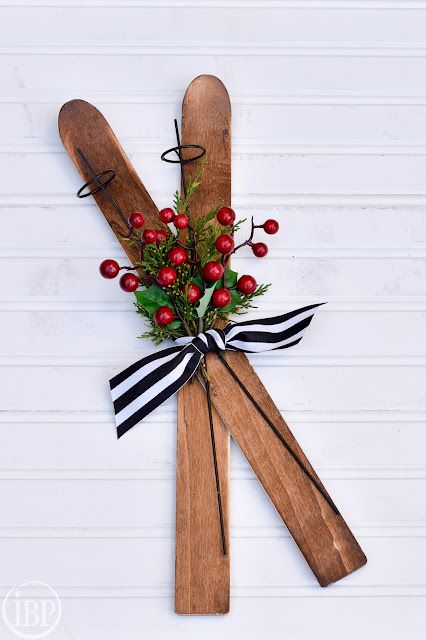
202,571
322,536
82,126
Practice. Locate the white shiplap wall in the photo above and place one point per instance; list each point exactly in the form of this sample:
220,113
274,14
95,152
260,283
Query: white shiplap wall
329,127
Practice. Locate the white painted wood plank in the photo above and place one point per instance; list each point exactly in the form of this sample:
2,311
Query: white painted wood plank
353,230
300,173
242,24
84,336
345,120
75,448
322,279
108,503
106,618
320,388
171,73
134,115
277,565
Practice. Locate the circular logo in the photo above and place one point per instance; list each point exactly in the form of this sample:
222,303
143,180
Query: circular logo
32,610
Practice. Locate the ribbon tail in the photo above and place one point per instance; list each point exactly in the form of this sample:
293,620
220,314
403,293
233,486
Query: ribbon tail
144,386
269,334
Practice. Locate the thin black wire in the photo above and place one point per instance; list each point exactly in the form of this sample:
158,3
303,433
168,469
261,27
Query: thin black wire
182,162
218,493
102,187
278,434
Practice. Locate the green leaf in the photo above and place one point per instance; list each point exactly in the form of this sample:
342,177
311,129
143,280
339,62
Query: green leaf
152,298
231,279
235,301
204,301
197,279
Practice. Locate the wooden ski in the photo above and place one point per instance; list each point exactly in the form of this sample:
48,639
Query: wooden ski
321,534
202,569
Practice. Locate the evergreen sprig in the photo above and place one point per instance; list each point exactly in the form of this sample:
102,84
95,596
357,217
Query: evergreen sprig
198,240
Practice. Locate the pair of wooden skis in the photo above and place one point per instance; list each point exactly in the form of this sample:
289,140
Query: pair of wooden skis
202,568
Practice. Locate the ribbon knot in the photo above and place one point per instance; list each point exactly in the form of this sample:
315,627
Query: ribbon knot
146,384
211,340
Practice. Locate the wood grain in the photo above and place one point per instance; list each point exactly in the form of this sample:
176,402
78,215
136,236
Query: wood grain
322,536
202,571
82,126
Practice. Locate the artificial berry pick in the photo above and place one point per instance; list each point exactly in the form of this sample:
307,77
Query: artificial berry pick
166,215
260,249
164,316
247,285
177,255
221,297
185,285
193,293
224,244
129,282
161,235
109,269
226,216
166,276
149,236
181,221
213,271
271,226
136,220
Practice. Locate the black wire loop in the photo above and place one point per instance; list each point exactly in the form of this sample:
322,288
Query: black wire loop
96,179
177,150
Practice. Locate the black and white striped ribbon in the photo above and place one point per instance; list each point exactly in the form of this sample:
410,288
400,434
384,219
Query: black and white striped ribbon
146,384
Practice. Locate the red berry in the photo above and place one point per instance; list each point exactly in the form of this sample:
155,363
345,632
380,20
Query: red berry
161,235
221,297
149,236
164,316
271,227
226,216
166,276
193,293
247,285
109,269
166,215
181,221
129,282
136,220
259,249
212,271
224,244
177,255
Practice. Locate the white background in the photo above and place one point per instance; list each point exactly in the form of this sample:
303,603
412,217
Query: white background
329,130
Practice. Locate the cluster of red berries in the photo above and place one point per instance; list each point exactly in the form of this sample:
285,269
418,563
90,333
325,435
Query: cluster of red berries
212,272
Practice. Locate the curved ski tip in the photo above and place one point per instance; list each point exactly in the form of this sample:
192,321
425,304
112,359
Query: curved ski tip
75,108
206,82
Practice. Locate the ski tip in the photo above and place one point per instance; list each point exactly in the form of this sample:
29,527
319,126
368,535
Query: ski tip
206,83
75,109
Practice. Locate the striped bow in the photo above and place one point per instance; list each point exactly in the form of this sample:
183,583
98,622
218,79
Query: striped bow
146,384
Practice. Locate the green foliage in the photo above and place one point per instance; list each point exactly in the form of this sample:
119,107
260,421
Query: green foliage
199,242
204,301
152,298
180,201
